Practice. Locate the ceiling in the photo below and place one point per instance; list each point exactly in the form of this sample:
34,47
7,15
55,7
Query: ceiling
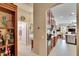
26,6
29,4
64,13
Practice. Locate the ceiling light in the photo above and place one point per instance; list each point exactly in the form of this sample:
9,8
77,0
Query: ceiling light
72,13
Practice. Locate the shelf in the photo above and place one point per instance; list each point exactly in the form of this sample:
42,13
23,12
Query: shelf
6,28
2,28
5,45
11,28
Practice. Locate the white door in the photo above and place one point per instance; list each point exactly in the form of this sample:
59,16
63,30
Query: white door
22,38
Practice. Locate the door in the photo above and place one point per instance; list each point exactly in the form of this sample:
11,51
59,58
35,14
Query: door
22,38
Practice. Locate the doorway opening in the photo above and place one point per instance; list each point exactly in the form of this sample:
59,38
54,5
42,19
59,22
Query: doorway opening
25,38
61,26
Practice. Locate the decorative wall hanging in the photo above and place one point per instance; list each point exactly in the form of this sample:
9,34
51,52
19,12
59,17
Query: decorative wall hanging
4,20
22,18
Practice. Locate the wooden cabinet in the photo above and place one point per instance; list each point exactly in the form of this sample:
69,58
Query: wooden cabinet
8,29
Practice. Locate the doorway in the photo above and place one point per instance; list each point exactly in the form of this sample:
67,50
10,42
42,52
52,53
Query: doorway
61,30
25,32
22,38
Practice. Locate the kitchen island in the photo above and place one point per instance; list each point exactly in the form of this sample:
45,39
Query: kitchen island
71,39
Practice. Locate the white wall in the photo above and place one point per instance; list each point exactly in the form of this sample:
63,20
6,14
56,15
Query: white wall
77,29
40,36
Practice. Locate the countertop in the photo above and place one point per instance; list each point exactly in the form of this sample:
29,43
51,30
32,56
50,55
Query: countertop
71,34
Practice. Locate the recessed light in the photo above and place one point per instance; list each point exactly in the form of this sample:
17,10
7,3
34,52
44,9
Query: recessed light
72,13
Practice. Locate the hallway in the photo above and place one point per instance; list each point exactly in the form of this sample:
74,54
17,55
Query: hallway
63,49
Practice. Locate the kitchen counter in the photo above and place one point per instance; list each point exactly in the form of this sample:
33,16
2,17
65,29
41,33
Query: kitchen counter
71,34
70,38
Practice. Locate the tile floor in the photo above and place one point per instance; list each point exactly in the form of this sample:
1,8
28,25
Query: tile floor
29,52
63,49
25,50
